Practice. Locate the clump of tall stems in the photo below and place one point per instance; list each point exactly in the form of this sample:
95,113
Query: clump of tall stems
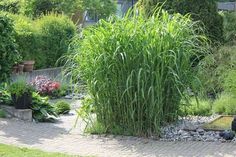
138,68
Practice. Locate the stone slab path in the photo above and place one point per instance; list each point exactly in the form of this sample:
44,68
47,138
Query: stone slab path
57,138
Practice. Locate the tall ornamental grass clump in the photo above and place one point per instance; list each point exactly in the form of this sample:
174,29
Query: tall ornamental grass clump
137,69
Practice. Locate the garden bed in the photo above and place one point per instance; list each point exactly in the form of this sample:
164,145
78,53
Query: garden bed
192,129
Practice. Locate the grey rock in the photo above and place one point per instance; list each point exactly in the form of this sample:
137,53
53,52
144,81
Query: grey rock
201,131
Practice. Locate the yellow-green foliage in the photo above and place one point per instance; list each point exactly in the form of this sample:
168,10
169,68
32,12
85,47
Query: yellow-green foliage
62,107
198,107
225,104
230,82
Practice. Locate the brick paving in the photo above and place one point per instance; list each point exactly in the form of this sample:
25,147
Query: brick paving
57,138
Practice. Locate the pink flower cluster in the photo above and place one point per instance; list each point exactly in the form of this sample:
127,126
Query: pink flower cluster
45,85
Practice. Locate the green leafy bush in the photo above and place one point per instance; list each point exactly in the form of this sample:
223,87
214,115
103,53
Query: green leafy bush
200,10
42,110
137,69
8,52
62,107
225,104
197,107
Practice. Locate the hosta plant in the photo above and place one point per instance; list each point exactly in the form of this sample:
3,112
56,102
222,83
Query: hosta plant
42,110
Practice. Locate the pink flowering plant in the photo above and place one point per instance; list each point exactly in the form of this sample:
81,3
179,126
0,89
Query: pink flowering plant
46,86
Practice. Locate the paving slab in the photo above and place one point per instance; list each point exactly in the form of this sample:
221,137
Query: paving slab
58,137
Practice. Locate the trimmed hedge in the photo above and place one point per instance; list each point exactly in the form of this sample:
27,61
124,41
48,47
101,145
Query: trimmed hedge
44,40
56,33
200,10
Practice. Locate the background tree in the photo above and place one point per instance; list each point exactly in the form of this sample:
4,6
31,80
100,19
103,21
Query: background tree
12,6
200,10
35,8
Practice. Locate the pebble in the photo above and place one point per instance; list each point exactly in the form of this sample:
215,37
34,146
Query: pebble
189,129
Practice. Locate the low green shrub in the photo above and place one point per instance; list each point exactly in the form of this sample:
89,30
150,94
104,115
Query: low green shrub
62,107
2,114
197,107
8,48
137,69
225,104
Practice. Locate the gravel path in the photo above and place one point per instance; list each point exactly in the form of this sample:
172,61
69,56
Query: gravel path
57,138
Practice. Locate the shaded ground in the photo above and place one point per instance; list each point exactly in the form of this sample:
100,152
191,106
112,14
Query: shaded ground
58,138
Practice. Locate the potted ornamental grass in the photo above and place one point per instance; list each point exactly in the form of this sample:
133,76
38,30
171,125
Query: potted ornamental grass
21,94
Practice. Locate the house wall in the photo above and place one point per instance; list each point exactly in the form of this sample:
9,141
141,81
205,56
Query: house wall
230,6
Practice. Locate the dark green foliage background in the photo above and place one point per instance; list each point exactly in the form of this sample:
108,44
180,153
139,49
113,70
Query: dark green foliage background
12,6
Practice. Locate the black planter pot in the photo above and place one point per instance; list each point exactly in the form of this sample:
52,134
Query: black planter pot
22,102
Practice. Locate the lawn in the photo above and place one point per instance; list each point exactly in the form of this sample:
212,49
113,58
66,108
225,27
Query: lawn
11,151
